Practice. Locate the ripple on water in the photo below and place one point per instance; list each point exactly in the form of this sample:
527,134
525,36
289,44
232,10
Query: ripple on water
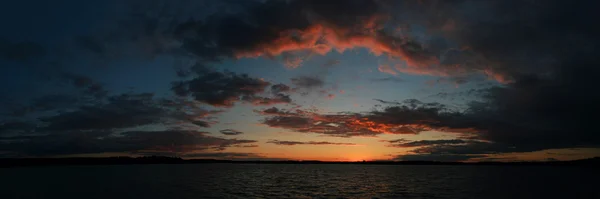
297,181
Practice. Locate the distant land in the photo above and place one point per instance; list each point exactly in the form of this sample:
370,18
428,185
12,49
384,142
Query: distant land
26,162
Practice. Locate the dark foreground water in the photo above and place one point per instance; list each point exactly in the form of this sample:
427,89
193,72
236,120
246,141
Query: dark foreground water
298,181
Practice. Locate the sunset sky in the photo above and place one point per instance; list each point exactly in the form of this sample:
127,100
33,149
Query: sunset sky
336,80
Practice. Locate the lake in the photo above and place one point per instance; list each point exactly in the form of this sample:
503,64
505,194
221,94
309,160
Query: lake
298,181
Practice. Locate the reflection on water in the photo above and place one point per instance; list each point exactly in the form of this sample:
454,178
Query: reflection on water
298,181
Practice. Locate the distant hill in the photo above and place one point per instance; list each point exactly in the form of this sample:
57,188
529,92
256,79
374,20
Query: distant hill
22,162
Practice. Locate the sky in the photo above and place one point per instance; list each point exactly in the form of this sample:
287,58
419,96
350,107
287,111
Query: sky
338,80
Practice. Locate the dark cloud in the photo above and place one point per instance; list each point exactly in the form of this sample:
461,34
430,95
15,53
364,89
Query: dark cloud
247,146
387,79
266,101
470,147
547,100
201,123
413,120
302,21
16,127
274,111
231,155
134,142
256,28
219,155
420,143
86,91
437,157
290,143
120,112
223,89
230,132
86,84
46,103
127,110
20,51
387,102
280,88
307,82
180,141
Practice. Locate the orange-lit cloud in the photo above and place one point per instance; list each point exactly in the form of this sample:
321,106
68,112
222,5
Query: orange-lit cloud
338,125
322,38
290,143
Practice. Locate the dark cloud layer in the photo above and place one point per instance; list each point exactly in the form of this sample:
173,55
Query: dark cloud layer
550,101
123,111
73,142
224,89
231,132
437,157
420,143
394,120
291,143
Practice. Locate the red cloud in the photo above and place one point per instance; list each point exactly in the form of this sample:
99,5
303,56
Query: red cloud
322,38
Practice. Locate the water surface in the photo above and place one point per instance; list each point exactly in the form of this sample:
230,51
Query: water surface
298,181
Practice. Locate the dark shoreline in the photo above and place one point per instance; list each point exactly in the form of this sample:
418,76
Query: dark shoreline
28,162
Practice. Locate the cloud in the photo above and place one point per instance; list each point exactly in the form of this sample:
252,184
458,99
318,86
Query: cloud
267,101
274,111
309,26
134,142
469,147
280,88
219,155
307,82
223,89
121,111
232,155
291,143
278,96
88,86
420,143
180,141
247,146
16,127
437,157
43,103
410,119
230,132
387,102
127,110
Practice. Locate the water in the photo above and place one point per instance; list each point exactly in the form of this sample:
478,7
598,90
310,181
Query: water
298,181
